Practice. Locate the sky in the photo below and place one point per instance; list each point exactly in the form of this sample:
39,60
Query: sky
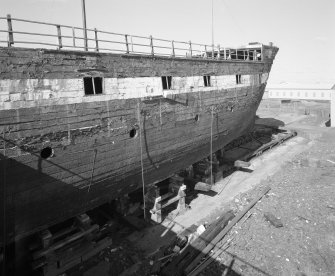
304,30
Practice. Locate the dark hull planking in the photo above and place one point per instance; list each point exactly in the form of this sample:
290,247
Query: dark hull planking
95,158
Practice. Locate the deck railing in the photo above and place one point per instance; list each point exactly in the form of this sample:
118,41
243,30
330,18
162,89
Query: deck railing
18,32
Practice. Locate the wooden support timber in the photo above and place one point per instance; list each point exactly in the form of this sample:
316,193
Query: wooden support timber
241,164
69,246
163,201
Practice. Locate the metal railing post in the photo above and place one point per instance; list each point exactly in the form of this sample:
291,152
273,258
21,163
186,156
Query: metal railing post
258,53
127,45
74,37
152,46
172,45
96,40
59,34
190,47
10,31
132,44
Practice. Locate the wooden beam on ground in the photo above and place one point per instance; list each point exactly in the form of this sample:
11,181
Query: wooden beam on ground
241,164
217,239
212,256
66,241
201,186
80,257
192,249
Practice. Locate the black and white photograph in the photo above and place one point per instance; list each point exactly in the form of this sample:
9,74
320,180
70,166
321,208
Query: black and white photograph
167,137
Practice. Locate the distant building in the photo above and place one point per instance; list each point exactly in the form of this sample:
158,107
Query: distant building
303,91
300,91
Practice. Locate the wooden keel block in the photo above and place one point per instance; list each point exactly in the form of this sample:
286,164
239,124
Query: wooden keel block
83,221
241,164
201,186
46,238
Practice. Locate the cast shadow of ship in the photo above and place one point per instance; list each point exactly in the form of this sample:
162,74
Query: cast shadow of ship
23,214
19,219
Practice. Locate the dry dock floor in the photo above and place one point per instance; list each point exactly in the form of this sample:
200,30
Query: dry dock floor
301,174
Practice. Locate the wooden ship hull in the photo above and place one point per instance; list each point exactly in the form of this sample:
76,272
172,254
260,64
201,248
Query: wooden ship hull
63,152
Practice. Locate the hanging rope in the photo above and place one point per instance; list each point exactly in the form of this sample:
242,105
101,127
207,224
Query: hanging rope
141,147
160,114
4,218
92,170
211,149
212,120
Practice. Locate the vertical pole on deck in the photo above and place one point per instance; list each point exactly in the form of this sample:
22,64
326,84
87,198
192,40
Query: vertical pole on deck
172,45
132,44
212,23
10,31
96,40
59,34
190,47
127,45
74,37
152,46
213,29
84,24
218,56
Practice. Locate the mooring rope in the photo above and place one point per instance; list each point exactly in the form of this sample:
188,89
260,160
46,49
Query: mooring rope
141,147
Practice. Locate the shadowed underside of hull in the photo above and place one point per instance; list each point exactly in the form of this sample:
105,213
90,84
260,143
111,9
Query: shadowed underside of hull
95,140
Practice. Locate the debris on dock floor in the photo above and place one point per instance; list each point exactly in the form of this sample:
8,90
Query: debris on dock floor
301,201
